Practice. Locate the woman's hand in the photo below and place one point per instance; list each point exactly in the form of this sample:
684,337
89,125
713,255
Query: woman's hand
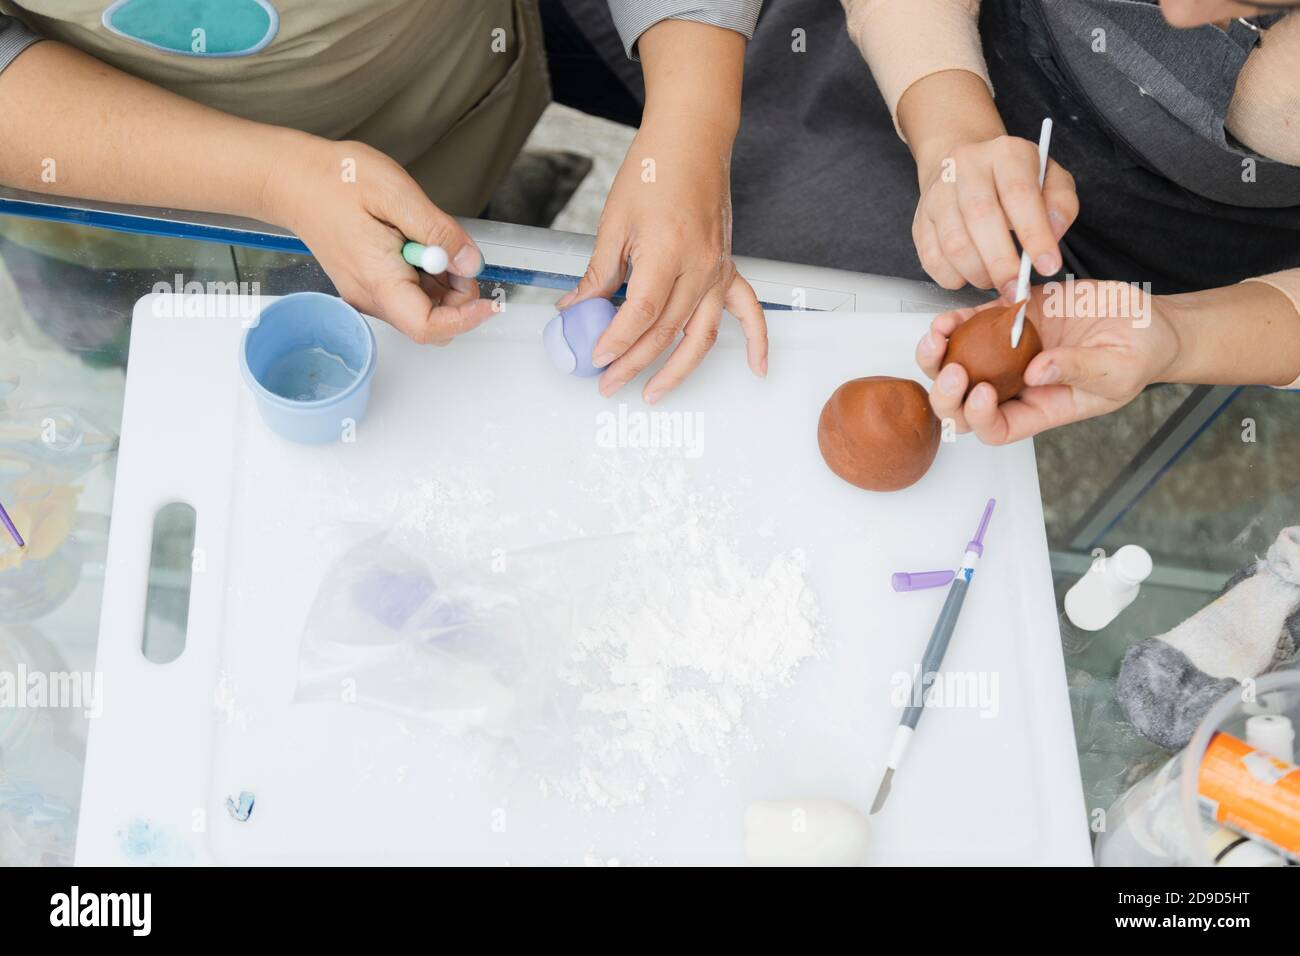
669,215
354,207
675,230
978,185
973,196
1103,342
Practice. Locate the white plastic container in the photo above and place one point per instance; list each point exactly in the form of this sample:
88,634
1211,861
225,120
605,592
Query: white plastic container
1110,585
1272,733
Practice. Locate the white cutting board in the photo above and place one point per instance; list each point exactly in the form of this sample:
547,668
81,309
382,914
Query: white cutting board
341,784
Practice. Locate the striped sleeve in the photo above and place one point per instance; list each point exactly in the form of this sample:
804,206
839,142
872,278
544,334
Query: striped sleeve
14,38
635,17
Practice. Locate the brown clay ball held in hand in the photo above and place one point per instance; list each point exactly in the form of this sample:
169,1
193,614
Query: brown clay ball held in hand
982,346
879,433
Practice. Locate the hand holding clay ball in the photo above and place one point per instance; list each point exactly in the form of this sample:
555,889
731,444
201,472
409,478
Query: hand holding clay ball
982,346
879,433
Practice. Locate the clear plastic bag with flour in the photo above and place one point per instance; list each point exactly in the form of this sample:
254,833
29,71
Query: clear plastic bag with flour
447,643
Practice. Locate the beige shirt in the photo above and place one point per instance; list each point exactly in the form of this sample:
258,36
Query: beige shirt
904,41
429,82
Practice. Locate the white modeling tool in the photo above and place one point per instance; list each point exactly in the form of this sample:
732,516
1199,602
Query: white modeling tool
432,259
1022,284
811,831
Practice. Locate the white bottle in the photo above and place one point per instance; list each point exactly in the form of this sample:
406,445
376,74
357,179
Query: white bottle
1110,585
1273,734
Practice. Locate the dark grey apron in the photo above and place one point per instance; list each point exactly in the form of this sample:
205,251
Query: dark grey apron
1167,196
818,174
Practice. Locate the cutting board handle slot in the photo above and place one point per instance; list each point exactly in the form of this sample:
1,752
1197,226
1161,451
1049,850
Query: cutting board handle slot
173,559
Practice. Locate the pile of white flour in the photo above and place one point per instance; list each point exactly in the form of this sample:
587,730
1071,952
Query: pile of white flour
683,635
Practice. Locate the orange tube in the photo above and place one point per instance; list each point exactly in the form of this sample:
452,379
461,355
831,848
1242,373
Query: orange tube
1252,792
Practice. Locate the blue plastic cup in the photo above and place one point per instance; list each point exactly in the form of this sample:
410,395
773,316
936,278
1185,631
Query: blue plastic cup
308,362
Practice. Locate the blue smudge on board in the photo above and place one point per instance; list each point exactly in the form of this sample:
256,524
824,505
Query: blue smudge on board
146,845
242,809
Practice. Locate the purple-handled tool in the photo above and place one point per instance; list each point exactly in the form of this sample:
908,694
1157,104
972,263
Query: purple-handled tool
922,580
13,531
934,652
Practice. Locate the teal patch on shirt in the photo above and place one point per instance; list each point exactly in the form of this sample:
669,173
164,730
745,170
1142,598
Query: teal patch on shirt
213,28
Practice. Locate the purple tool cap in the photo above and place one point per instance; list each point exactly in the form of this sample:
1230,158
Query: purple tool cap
920,580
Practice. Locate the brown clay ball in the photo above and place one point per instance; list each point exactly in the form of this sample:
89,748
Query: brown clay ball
879,433
982,346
